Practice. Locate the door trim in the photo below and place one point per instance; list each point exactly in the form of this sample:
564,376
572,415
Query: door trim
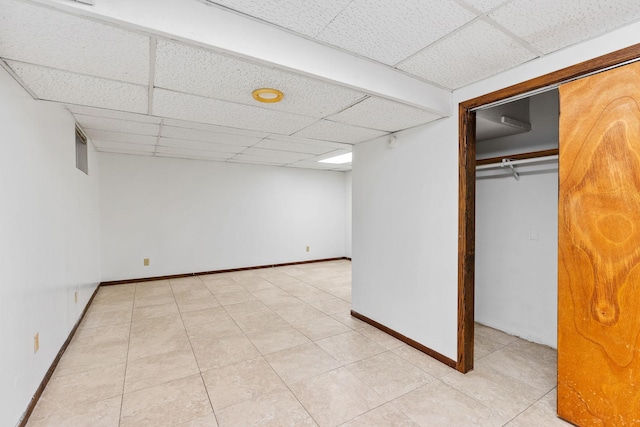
467,181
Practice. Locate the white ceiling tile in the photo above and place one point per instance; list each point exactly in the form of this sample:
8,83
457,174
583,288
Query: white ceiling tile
338,132
112,114
306,17
201,72
189,156
310,141
202,146
314,162
214,128
123,151
331,154
383,114
117,125
103,135
272,144
70,88
260,160
275,154
44,36
122,146
485,5
198,109
208,137
180,152
549,25
306,164
447,62
389,31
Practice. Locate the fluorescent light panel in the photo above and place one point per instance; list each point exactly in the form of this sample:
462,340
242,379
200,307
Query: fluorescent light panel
338,160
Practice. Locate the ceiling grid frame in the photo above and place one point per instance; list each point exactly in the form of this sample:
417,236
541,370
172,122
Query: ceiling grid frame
243,38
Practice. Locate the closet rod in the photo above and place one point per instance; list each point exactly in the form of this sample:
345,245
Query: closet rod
508,162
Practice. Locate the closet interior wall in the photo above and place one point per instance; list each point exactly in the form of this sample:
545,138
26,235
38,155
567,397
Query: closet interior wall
517,229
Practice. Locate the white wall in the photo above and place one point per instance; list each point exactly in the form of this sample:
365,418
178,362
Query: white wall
348,182
405,223
516,272
405,212
49,247
191,216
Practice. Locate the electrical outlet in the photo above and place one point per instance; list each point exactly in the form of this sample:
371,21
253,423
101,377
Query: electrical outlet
36,343
76,296
146,262
307,248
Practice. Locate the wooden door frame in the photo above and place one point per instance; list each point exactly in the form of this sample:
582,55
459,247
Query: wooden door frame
467,181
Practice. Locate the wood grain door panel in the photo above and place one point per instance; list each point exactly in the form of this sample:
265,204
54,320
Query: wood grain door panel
599,249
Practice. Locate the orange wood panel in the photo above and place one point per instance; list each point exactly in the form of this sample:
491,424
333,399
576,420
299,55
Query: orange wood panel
599,250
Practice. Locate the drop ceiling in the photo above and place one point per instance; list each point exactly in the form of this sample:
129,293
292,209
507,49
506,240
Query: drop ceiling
173,78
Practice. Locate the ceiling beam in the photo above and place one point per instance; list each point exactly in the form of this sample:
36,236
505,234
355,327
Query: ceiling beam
212,27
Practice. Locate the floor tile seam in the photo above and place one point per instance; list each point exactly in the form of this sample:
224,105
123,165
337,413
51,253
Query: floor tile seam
491,409
543,391
384,350
154,305
49,414
521,412
512,378
173,292
324,337
93,310
241,330
244,400
85,371
362,383
291,391
78,345
195,299
111,300
395,406
68,405
289,323
498,343
415,365
387,402
126,366
312,376
432,378
146,387
200,372
206,390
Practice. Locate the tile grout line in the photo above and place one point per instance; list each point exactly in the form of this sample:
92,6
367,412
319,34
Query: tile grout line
126,361
204,384
343,365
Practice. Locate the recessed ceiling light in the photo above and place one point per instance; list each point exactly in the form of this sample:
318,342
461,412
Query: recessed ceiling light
338,160
267,94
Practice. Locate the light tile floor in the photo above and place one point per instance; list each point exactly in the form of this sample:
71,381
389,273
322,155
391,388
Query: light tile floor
278,347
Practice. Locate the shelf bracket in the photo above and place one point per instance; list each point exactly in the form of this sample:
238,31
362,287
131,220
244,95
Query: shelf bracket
507,162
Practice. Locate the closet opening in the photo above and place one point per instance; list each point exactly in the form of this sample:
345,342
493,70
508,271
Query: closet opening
468,112
516,221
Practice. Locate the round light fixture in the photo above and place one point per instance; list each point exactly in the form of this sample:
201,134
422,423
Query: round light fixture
268,95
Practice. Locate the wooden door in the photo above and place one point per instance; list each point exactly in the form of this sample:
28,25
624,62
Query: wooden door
599,250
